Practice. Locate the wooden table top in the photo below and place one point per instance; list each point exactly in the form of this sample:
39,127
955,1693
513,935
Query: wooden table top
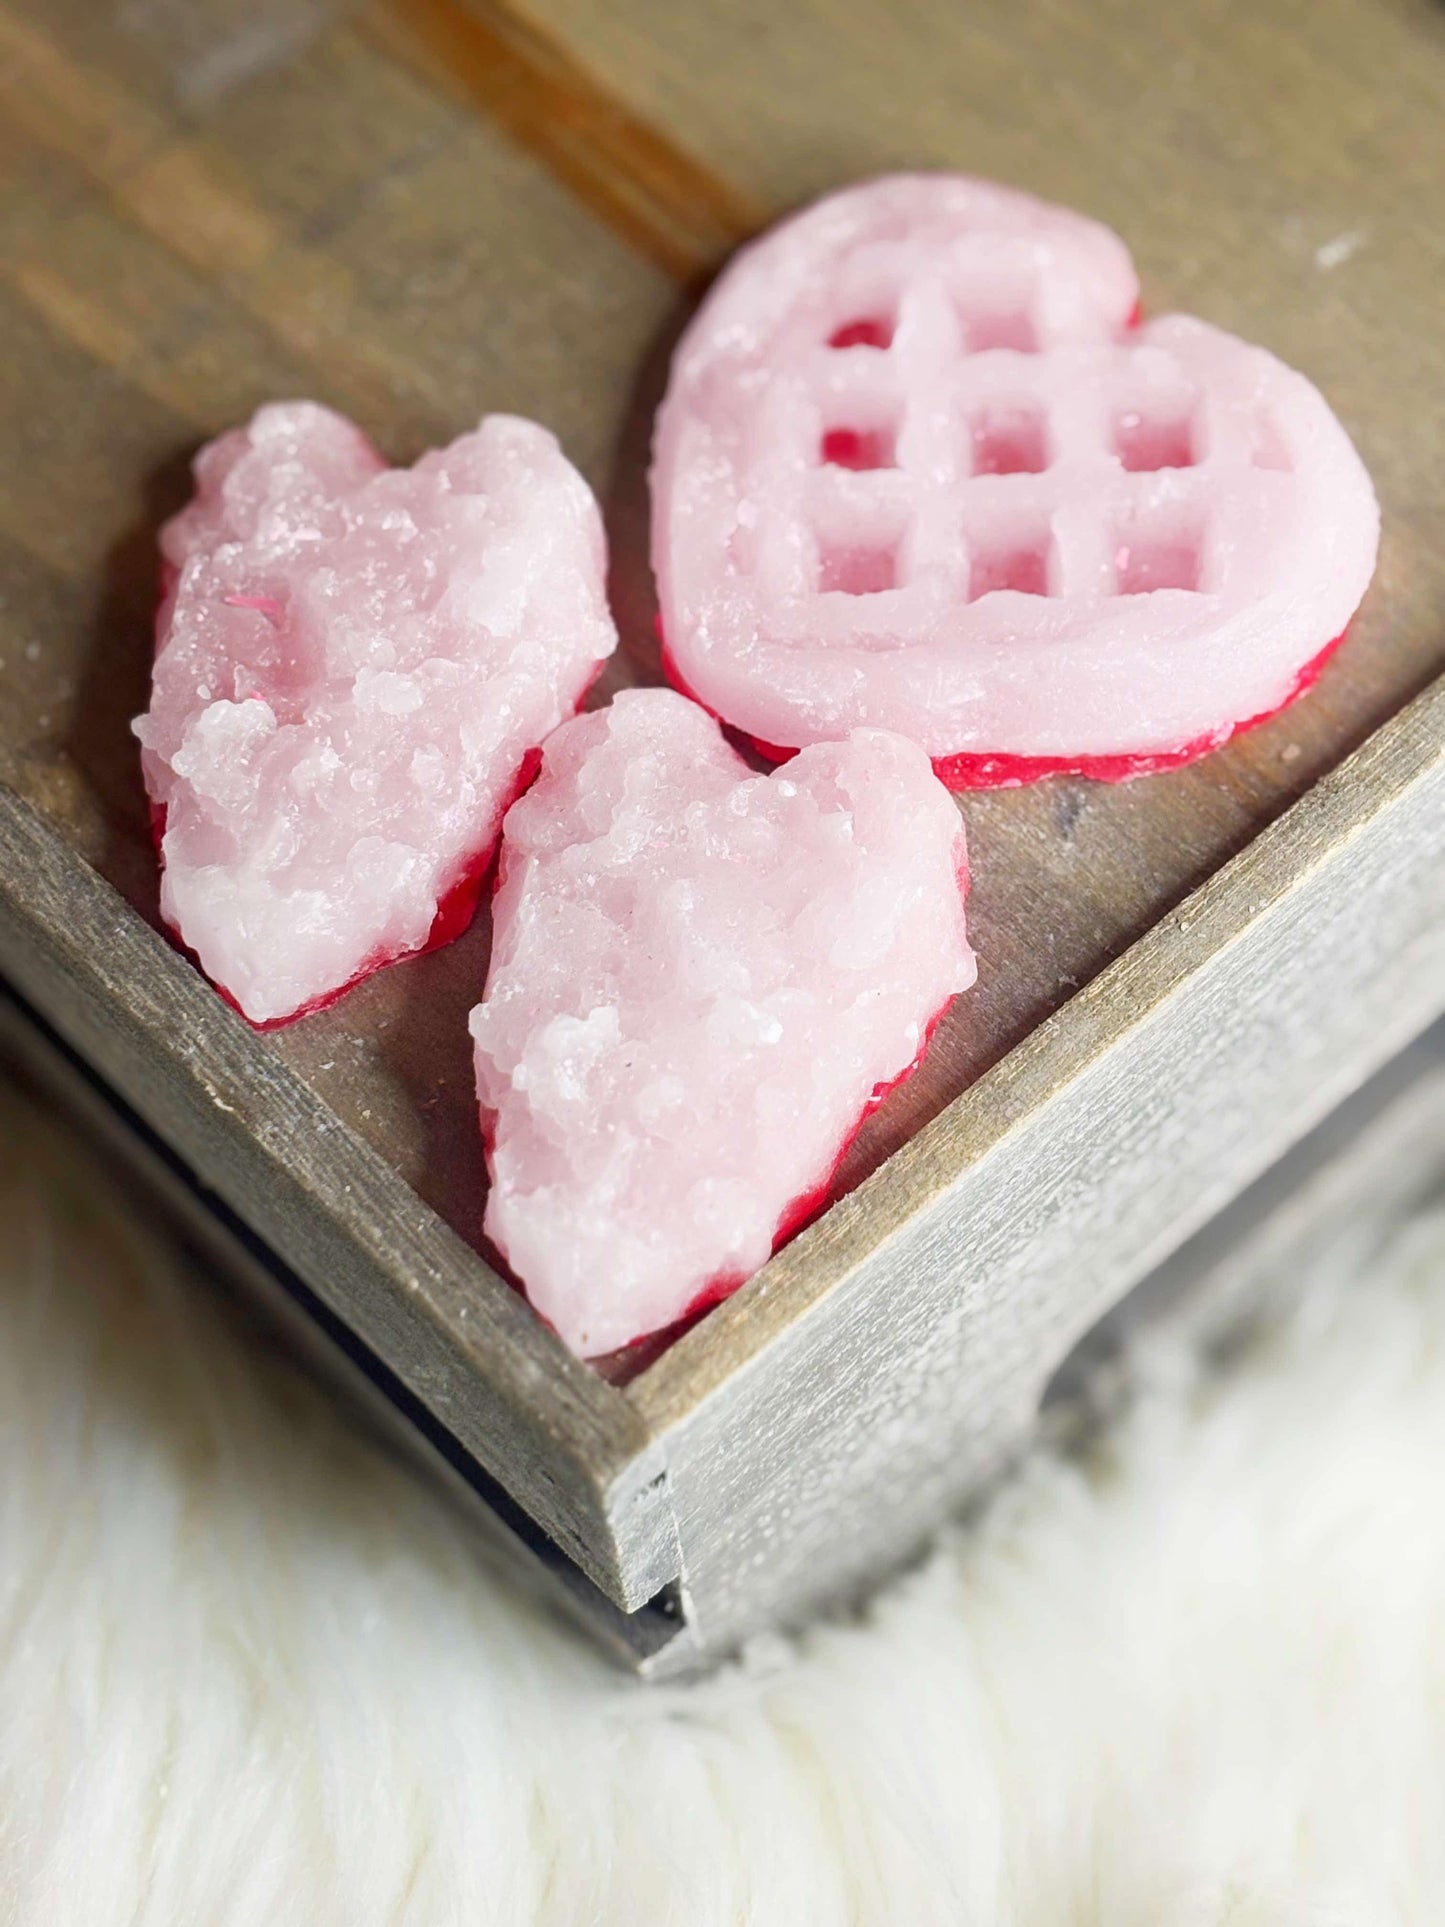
422,210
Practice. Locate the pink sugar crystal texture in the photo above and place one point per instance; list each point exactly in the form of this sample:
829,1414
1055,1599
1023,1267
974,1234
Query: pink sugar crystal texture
354,665
700,978
918,468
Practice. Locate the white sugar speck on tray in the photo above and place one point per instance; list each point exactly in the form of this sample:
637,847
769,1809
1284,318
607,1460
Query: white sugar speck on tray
355,665
702,980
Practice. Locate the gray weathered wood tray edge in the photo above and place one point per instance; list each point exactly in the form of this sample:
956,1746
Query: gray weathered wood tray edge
881,1365
569,1448
885,1363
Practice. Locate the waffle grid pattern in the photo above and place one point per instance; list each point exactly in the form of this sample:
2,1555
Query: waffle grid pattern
945,450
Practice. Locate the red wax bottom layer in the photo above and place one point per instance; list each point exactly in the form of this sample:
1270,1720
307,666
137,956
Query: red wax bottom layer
988,771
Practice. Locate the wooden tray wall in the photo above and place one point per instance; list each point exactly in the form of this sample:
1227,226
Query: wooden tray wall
421,210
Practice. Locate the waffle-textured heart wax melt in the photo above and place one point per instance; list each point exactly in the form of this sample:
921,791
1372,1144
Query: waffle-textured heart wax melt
354,666
701,981
919,469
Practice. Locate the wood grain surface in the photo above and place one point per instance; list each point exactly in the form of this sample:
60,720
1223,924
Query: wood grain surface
421,210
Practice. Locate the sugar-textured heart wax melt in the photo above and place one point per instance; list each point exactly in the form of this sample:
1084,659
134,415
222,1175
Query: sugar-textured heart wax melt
354,666
919,468
701,981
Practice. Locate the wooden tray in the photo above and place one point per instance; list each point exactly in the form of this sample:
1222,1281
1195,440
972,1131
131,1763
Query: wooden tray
419,212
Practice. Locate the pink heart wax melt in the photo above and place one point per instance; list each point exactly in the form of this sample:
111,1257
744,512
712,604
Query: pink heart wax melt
702,979
354,666
919,469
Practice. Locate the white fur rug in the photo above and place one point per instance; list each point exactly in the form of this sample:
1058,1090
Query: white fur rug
251,1674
